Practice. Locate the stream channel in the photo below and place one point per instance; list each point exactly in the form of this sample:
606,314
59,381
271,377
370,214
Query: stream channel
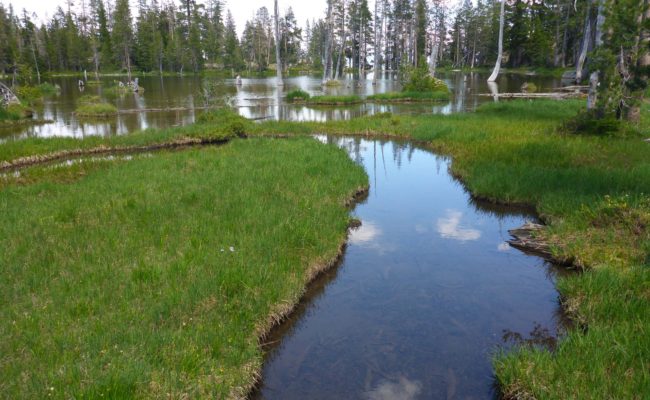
426,292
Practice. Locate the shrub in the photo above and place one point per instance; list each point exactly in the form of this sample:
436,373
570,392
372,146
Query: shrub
48,88
226,120
29,94
297,95
597,124
529,87
419,80
89,99
19,111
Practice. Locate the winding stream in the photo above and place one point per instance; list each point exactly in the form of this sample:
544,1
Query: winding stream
427,291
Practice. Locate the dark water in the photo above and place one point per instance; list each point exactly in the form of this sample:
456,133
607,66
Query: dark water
255,98
427,291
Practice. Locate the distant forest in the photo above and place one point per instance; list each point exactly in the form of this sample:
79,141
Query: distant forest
191,35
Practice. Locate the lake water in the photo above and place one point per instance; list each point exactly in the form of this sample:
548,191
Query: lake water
427,291
259,99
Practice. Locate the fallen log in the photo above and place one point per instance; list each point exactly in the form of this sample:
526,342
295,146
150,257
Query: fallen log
527,238
574,88
169,109
553,95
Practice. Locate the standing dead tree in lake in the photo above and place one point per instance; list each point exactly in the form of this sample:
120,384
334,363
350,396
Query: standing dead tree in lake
497,66
278,60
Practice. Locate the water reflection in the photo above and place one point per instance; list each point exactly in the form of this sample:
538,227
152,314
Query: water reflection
365,234
449,227
402,389
258,99
423,319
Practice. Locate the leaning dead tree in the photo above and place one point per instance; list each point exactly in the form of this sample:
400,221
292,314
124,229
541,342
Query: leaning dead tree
7,96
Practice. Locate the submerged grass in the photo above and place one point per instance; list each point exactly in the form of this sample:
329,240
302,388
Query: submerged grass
154,277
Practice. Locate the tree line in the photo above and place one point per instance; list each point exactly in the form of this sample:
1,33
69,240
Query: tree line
609,36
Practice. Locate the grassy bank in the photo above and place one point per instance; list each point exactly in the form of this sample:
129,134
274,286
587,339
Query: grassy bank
153,277
214,125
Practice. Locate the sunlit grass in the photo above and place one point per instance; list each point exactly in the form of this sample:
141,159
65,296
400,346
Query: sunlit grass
153,277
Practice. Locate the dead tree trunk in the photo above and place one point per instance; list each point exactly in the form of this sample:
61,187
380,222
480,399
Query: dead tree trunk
586,39
278,61
594,78
497,66
375,63
327,60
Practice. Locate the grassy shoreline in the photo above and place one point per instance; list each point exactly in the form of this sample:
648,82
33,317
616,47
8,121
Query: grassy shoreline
140,259
593,194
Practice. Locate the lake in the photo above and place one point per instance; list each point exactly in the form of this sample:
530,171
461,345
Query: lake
259,99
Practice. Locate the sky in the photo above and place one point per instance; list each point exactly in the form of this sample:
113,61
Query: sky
242,10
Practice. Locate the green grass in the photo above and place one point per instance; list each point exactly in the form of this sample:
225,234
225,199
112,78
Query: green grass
114,283
48,88
297,95
14,113
334,100
8,115
409,97
214,125
591,189
101,110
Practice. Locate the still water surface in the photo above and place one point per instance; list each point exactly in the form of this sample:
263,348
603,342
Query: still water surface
259,99
427,291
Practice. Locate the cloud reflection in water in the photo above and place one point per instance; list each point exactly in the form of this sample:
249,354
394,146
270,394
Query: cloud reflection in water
449,227
365,234
403,389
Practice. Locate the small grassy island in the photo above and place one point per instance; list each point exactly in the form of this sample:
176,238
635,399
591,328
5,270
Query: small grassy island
93,107
420,87
302,97
204,248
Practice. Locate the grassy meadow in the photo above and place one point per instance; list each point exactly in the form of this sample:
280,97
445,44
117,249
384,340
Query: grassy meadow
592,190
154,276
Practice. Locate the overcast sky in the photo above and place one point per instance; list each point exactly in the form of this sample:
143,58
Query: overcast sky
242,10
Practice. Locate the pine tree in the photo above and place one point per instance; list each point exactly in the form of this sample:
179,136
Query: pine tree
123,35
